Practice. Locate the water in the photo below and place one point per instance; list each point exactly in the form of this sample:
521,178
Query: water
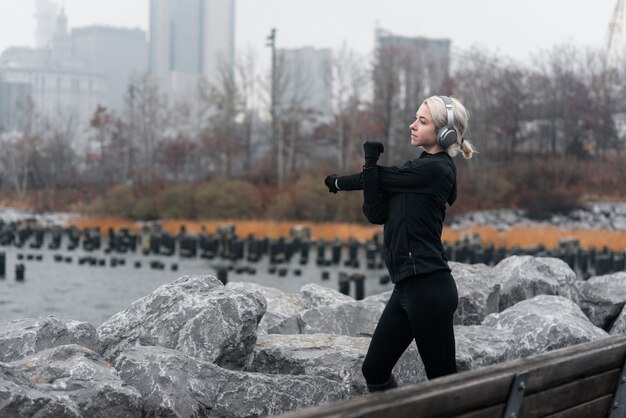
94,293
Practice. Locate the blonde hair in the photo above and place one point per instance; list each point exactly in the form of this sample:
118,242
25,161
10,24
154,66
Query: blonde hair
461,115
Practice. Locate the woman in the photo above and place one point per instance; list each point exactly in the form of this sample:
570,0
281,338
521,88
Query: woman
410,201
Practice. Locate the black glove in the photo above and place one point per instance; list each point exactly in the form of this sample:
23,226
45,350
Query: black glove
372,150
330,183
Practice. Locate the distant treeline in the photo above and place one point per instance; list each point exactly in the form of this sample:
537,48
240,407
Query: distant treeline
549,134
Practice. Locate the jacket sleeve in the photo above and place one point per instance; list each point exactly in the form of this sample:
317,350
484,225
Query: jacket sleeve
374,201
350,182
409,177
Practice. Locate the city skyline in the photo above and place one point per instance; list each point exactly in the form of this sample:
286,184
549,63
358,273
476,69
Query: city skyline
509,29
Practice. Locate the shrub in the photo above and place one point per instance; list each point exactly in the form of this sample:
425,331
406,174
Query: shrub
228,199
281,207
177,202
119,201
145,209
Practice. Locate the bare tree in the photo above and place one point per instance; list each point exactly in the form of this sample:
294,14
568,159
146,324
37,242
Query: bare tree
351,81
148,118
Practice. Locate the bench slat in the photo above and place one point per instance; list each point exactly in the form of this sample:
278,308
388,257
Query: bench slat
569,395
484,387
599,408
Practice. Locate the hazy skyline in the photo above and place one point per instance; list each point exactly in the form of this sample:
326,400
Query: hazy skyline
514,29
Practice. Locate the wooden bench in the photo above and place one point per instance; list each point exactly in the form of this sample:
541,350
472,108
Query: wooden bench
586,380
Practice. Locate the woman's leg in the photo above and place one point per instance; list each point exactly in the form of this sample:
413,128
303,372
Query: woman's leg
392,336
433,298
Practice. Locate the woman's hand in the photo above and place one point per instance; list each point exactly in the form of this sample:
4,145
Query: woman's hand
373,149
330,182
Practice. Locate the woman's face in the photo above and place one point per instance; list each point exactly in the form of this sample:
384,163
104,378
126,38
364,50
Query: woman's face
423,128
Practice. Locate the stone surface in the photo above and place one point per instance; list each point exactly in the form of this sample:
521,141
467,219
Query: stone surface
479,346
335,357
479,292
280,305
545,323
316,296
196,315
524,277
173,384
602,298
356,319
65,381
380,297
24,337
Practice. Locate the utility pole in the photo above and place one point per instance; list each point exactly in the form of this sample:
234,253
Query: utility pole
276,136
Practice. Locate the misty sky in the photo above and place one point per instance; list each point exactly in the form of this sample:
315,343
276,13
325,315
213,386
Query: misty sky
514,28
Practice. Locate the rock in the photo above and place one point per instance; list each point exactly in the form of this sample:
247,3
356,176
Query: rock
524,277
619,326
196,315
65,381
23,401
24,337
479,292
545,323
315,296
380,297
335,357
478,346
173,384
356,319
602,298
280,305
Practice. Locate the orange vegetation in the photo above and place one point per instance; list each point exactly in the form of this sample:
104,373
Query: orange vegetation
521,235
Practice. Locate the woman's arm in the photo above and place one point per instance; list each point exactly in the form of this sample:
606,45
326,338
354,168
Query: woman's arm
416,174
374,203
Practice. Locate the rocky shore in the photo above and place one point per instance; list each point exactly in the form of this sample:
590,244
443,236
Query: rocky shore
595,215
197,348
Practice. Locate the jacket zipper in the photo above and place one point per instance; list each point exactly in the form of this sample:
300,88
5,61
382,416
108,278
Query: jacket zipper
413,262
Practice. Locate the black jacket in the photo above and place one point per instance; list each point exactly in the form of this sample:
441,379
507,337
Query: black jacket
410,201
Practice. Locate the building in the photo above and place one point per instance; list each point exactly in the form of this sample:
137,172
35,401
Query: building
190,40
14,101
307,77
73,72
53,88
46,16
421,64
117,54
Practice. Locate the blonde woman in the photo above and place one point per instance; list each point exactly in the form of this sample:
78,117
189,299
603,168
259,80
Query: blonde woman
410,201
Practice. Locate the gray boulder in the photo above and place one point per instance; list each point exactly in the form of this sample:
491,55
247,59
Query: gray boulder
335,357
24,401
380,297
602,298
316,296
280,305
524,277
356,319
23,337
173,384
65,381
479,292
619,326
479,346
196,315
545,323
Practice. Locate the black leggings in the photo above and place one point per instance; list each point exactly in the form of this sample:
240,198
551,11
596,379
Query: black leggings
420,307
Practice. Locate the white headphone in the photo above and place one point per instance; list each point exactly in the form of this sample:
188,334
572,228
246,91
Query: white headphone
447,135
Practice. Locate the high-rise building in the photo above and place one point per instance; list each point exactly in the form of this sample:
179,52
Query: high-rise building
189,40
422,64
118,54
307,77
